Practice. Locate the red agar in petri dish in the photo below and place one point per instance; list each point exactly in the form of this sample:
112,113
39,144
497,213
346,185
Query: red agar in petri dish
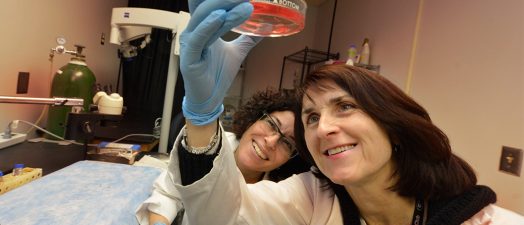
274,18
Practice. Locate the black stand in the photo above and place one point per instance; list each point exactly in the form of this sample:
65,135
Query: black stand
85,126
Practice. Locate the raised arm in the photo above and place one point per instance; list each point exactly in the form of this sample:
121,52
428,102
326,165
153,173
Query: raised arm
209,66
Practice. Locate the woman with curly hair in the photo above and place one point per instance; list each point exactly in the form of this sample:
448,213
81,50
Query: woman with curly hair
261,153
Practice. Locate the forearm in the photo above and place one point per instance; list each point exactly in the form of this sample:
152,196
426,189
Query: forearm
198,136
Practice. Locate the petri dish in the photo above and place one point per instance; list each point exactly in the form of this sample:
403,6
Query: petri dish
275,18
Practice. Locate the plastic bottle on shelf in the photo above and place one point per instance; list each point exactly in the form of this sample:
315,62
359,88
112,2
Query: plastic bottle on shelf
364,53
18,169
352,55
227,116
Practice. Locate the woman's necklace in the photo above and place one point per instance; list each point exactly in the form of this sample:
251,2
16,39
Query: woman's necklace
418,213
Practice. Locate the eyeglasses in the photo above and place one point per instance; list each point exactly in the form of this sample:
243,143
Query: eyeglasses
284,142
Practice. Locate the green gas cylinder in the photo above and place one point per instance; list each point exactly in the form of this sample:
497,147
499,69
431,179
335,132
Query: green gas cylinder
74,80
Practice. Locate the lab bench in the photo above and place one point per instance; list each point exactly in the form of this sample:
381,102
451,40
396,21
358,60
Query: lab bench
48,156
85,192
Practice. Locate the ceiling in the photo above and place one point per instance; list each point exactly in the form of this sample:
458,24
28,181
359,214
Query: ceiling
314,2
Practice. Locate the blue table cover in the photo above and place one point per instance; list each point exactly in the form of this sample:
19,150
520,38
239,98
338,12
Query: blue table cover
86,192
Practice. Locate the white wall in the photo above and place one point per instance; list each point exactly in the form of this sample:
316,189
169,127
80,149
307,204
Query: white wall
389,26
29,30
468,71
469,74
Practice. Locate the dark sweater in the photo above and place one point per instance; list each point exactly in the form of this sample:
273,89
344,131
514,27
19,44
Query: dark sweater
192,166
452,211
461,208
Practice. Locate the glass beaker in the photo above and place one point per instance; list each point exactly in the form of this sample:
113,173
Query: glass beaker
274,18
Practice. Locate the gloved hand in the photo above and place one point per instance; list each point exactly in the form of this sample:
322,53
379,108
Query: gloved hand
209,64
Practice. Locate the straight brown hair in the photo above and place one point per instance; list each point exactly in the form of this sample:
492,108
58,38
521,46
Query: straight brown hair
426,167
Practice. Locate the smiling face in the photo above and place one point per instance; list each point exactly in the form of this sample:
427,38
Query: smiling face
347,145
259,148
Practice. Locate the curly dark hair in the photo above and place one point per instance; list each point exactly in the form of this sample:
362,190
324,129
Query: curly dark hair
269,101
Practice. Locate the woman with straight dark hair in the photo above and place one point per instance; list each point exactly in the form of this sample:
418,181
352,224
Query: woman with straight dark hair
378,159
424,163
380,153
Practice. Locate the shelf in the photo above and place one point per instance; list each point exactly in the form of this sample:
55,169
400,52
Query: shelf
311,56
306,57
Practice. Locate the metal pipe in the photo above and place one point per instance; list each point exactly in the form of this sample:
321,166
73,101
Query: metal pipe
43,101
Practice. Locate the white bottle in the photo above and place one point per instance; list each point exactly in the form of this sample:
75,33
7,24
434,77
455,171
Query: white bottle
364,54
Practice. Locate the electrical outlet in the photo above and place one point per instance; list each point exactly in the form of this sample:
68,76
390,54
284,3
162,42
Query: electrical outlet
15,139
23,83
511,160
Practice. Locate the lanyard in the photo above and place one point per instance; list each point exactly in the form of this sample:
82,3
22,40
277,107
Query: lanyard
418,213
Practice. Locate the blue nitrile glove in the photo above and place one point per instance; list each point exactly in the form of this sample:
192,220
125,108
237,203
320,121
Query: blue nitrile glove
209,64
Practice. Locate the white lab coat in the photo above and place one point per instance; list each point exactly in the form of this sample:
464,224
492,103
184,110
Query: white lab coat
165,199
222,197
